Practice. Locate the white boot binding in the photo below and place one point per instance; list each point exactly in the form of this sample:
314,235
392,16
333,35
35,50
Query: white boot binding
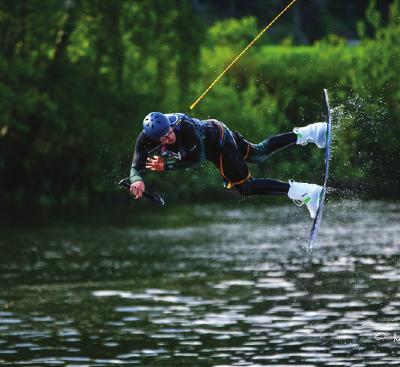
313,133
304,193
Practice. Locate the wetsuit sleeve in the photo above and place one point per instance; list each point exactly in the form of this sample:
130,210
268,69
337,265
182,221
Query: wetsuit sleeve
193,152
139,159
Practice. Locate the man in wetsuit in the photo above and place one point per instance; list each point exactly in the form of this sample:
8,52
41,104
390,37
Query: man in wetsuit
175,140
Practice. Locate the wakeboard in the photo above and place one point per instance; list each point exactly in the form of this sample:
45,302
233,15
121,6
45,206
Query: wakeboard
326,115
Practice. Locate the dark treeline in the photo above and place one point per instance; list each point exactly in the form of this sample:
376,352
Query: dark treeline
308,21
77,78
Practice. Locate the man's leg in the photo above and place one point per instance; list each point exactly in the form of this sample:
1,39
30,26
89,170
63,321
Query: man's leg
261,151
263,186
257,153
301,193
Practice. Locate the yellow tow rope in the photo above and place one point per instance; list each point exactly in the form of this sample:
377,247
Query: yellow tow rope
237,57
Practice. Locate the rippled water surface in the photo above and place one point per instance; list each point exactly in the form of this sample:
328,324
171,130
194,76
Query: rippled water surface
204,285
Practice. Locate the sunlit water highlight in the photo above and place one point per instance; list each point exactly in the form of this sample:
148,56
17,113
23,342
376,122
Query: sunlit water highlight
205,286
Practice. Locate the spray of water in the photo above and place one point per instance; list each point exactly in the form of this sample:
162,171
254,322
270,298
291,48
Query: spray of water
356,126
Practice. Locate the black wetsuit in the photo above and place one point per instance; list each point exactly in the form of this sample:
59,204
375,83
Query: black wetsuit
211,140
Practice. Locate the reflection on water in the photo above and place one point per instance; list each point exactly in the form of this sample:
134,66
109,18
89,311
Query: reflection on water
205,286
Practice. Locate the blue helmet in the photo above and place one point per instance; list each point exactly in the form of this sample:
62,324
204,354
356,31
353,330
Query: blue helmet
155,125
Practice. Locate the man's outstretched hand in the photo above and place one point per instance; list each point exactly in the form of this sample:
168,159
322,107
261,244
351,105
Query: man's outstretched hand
156,163
137,189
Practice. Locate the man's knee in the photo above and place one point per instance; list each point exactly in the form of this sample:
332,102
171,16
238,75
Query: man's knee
244,188
258,153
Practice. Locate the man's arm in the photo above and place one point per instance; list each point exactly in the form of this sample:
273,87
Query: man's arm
139,159
142,148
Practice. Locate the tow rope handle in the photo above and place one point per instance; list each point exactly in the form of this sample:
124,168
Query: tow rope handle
154,197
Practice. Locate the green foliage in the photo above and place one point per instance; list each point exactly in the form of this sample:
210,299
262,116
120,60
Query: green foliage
233,32
77,77
373,111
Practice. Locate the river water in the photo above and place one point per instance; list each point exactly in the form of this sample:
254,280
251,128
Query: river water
204,285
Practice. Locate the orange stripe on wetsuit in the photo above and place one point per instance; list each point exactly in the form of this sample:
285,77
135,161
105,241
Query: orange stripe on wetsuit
230,184
221,165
